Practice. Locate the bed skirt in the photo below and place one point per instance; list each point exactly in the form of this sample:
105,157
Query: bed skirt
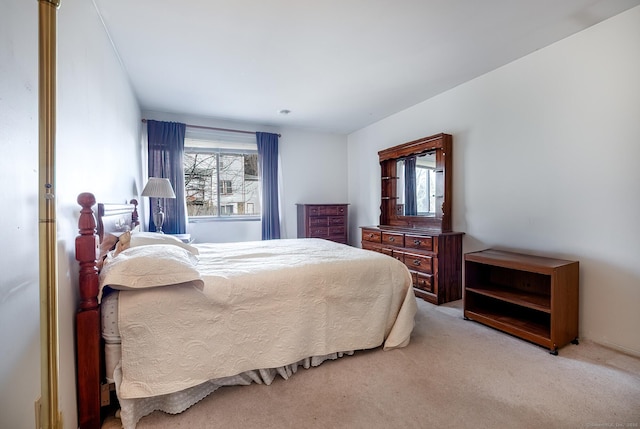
132,410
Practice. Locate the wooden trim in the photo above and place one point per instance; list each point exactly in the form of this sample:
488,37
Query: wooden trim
413,147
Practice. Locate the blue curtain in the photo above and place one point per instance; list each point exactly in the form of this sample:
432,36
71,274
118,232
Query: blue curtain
268,164
166,147
410,197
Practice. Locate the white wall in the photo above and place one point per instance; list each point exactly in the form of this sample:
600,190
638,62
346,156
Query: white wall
313,169
545,161
98,126
19,282
97,151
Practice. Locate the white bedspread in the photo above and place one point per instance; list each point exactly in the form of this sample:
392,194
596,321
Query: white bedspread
263,305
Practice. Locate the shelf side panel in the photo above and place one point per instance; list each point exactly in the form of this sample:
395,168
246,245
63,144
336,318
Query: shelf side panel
564,304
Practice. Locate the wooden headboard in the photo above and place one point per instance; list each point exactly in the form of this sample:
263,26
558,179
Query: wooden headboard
91,244
117,218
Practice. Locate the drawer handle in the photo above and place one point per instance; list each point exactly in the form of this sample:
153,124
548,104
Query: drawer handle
416,262
392,239
371,235
417,242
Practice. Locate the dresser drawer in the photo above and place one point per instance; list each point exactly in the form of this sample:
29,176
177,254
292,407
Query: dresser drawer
319,232
318,221
422,281
341,210
337,230
393,239
335,220
393,253
398,255
422,242
316,211
420,263
366,245
327,210
371,235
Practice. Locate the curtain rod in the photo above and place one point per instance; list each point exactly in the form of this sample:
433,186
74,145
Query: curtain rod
218,129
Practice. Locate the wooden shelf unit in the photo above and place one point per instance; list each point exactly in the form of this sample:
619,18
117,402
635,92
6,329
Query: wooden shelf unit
532,297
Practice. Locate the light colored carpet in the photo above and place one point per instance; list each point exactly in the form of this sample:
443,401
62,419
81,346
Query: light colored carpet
455,374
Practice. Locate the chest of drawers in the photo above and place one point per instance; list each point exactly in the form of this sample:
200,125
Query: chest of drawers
328,221
434,259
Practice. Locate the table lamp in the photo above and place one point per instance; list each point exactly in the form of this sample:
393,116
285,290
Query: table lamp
158,188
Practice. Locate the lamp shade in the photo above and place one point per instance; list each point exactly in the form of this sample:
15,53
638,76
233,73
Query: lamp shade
158,187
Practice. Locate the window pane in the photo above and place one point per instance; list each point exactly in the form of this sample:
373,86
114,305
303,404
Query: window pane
251,167
199,181
222,183
237,195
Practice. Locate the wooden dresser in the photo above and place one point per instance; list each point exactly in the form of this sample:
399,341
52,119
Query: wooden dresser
434,260
328,221
415,216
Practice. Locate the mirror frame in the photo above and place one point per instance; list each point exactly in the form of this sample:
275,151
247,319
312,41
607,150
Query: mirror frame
441,145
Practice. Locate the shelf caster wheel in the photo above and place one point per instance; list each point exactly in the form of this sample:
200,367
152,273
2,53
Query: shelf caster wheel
575,341
554,352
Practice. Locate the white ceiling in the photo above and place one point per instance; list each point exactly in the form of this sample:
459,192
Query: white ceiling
338,65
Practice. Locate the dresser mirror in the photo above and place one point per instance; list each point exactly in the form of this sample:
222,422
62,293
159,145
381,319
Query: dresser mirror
416,187
416,184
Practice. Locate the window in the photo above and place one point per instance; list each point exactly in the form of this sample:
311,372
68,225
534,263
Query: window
221,177
226,187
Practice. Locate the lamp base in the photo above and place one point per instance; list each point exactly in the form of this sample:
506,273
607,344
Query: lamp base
158,219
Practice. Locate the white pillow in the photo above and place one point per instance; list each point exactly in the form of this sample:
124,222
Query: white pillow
139,238
149,266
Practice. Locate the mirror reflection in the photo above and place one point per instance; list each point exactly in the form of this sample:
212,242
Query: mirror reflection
416,185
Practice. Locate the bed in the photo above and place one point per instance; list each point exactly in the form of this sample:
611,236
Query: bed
168,323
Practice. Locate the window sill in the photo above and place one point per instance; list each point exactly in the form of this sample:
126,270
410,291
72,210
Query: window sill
206,219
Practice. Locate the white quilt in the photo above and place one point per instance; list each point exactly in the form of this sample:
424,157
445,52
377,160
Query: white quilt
264,304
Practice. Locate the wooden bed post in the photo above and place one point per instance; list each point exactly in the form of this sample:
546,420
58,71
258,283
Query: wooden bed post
88,318
134,215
